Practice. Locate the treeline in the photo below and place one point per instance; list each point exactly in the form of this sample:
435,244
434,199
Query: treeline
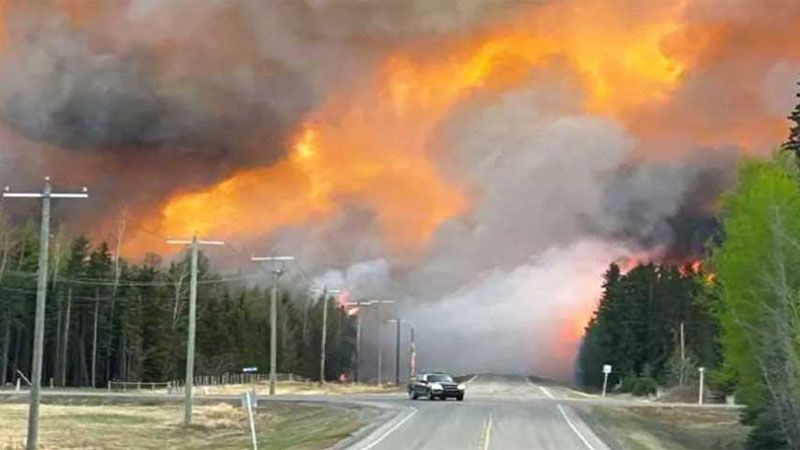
641,322
110,319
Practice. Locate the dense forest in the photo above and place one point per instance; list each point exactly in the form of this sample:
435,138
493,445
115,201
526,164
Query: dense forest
108,319
637,326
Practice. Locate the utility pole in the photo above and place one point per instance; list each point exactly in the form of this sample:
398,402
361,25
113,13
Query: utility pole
397,356
65,344
41,293
325,293
273,317
358,305
380,353
682,377
190,338
358,345
94,335
412,364
324,334
397,322
378,304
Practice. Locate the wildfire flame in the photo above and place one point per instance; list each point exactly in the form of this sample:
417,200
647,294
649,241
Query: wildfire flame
375,147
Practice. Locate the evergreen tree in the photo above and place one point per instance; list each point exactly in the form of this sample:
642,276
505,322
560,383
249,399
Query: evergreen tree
142,319
792,143
636,325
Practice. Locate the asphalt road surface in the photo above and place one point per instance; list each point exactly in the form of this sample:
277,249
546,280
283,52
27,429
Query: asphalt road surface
499,412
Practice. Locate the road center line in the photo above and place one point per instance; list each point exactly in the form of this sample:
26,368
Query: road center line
391,430
487,433
574,428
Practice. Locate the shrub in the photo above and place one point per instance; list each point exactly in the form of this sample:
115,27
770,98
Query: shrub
628,382
644,386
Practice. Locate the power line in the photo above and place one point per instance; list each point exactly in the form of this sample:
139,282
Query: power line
107,282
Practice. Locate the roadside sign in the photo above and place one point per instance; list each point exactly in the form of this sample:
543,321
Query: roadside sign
606,371
250,370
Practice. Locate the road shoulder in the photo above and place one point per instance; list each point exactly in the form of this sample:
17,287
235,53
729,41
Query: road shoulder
371,434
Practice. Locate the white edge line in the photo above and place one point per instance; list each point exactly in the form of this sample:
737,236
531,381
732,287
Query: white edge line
487,433
574,428
471,379
546,392
542,388
391,430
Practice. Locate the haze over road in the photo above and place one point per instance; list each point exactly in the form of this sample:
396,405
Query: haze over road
499,412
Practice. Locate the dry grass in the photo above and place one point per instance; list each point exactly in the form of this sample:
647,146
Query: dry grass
672,428
219,426
302,388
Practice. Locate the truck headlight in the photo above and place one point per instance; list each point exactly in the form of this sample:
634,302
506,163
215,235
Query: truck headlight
436,387
461,387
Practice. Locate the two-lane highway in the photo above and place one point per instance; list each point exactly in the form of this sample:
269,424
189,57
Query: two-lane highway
499,412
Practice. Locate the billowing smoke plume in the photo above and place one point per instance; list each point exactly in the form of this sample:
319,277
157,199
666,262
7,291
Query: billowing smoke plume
479,162
509,285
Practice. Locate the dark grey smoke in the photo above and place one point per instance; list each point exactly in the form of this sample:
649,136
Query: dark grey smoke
670,204
172,96
57,88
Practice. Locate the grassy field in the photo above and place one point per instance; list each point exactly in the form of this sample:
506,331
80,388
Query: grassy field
645,428
217,426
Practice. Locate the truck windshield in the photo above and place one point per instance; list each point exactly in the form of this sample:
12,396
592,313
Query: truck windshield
439,378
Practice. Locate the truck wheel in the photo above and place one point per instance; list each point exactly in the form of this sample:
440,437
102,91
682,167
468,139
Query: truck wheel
460,398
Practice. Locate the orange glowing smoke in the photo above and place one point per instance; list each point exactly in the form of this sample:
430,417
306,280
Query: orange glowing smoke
376,147
3,4
621,58
327,166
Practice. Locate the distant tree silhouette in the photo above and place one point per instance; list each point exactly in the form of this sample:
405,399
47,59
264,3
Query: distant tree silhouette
792,143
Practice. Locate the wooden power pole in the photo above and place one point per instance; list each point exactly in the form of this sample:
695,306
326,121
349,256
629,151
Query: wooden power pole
273,316
41,293
190,338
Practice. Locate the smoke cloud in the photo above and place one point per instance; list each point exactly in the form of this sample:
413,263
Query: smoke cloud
514,281
479,162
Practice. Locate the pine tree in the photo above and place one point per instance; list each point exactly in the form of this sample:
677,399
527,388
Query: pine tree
792,143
